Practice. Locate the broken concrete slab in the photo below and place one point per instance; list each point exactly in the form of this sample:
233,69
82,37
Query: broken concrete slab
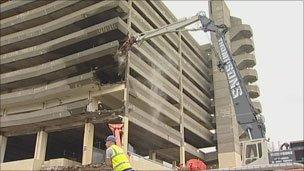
60,68
60,26
44,51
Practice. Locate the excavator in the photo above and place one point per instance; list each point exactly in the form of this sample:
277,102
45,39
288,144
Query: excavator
254,149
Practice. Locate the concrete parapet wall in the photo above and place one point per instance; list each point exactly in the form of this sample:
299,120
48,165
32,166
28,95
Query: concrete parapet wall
27,164
140,163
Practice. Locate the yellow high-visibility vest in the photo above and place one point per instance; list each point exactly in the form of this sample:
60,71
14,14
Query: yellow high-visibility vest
120,160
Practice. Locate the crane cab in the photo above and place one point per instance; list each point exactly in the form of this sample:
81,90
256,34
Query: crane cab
255,152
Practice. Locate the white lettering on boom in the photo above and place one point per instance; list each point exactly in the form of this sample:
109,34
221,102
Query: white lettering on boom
233,81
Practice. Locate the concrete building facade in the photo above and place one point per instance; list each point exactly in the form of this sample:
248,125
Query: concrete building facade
62,83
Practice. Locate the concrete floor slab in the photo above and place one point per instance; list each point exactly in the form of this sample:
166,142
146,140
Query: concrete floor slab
44,115
9,5
50,71
196,110
40,34
35,13
170,18
49,91
153,76
241,32
157,21
12,8
48,47
140,91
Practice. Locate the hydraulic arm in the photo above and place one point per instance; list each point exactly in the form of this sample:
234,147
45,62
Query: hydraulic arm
246,115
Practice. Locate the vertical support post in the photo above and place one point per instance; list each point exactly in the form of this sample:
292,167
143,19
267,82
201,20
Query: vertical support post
152,155
182,155
125,134
41,143
88,139
127,69
93,105
3,142
174,164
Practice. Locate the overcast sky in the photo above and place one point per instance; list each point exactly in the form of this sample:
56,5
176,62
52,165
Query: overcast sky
278,37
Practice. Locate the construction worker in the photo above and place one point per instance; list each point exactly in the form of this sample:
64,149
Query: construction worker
115,156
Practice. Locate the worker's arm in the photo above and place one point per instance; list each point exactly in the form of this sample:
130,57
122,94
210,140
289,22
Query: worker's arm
109,153
108,162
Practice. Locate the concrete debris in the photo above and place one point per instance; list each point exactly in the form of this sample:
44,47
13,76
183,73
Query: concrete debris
97,167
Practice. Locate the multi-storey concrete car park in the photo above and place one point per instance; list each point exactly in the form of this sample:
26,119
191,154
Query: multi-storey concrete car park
62,82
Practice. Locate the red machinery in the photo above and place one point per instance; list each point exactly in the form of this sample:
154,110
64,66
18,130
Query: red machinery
117,130
196,165
193,165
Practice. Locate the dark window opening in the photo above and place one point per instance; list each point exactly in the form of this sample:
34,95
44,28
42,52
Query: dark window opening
251,151
65,144
20,147
299,154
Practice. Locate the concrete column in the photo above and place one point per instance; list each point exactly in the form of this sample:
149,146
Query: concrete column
125,134
3,142
125,130
174,164
152,155
93,105
40,148
88,139
226,124
182,153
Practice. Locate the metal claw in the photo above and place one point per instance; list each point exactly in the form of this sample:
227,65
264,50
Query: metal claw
127,45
